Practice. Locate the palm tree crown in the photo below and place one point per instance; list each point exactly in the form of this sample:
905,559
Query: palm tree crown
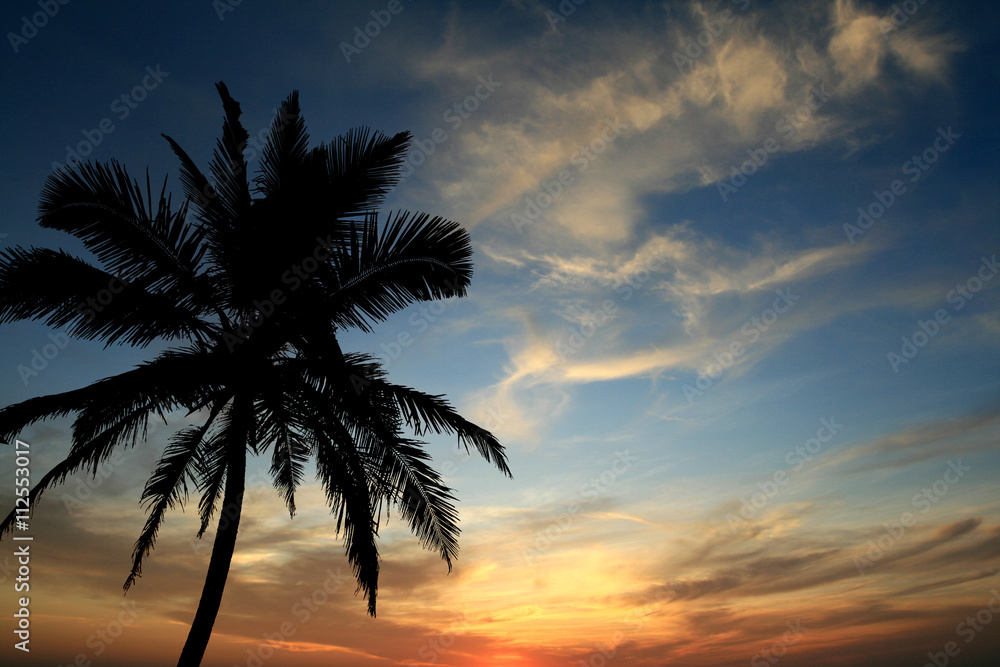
253,283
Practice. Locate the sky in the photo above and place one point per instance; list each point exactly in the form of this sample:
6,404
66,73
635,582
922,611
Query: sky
734,316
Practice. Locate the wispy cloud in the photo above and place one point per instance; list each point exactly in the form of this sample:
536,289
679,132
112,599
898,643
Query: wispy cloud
943,438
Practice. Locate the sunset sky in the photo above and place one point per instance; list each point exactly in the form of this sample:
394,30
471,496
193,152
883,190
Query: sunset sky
735,317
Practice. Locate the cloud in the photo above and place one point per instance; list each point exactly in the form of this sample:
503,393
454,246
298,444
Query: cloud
856,47
694,117
942,438
798,79
521,411
749,565
704,292
948,583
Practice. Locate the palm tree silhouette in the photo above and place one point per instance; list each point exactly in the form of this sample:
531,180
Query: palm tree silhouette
255,289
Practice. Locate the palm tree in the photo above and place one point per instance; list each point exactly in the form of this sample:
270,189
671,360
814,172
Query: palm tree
254,289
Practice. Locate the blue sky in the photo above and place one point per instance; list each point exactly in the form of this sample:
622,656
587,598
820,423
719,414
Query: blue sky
640,203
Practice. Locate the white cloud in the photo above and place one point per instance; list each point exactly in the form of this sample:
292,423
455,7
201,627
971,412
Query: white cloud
687,126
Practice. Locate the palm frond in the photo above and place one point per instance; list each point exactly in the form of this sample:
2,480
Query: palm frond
200,192
342,475
90,454
288,466
284,150
362,167
65,291
423,500
167,487
237,428
105,208
229,166
177,378
396,467
57,475
429,413
211,468
416,258
14,418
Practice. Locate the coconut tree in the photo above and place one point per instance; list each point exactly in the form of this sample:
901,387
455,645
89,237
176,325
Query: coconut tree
250,282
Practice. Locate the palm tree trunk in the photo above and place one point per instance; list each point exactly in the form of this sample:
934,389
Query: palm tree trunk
222,553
